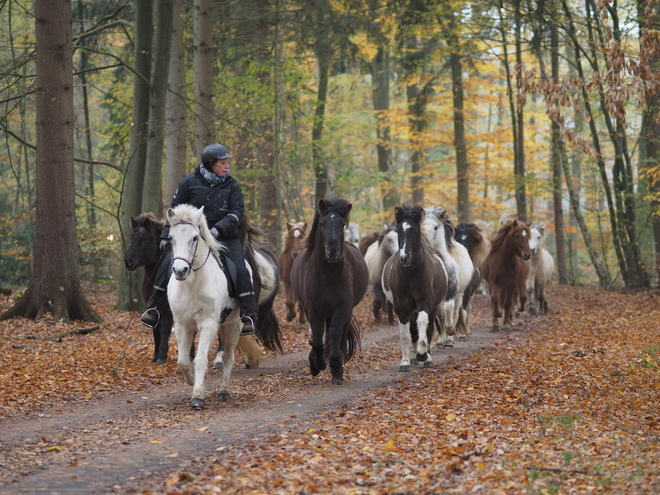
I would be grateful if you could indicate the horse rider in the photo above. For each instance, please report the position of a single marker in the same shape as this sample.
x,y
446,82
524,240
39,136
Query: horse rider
x,y
211,186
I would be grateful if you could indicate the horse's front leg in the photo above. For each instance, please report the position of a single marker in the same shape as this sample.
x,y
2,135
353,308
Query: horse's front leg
x,y
509,309
423,345
162,340
185,336
290,302
406,345
208,332
316,360
497,313
337,330
229,334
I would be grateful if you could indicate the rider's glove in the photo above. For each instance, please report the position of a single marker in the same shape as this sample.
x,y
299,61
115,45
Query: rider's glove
x,y
214,232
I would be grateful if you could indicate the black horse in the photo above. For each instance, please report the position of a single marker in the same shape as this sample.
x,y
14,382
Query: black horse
x,y
329,278
144,250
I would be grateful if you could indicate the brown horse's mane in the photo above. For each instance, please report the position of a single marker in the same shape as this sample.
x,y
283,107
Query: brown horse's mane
x,y
502,236
341,206
142,217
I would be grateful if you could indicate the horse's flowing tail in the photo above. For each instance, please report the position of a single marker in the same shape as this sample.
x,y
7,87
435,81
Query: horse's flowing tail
x,y
269,332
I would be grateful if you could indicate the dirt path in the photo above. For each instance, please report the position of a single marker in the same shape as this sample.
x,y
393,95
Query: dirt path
x,y
112,446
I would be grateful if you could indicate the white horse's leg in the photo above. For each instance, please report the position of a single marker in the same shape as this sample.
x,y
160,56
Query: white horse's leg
x,y
423,346
185,336
230,333
406,346
208,331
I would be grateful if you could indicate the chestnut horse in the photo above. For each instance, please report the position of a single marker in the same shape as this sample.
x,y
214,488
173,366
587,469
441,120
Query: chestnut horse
x,y
293,244
506,269
329,279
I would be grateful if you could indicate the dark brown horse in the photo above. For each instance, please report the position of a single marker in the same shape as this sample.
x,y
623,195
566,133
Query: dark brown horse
x,y
506,270
415,282
144,250
293,244
329,279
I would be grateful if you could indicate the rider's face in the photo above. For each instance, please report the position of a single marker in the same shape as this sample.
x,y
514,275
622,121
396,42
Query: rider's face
x,y
221,167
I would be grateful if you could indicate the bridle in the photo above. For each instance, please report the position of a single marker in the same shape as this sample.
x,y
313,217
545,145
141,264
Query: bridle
x,y
191,263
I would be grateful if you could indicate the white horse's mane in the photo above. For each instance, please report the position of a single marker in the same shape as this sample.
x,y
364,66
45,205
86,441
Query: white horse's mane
x,y
185,213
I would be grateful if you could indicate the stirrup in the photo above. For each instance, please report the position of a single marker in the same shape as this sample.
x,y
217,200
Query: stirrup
x,y
150,317
248,325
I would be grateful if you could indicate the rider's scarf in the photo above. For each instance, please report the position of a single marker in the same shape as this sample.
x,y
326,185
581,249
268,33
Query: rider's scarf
x,y
211,177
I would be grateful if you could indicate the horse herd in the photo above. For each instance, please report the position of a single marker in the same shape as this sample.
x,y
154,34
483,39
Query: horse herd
x,y
423,269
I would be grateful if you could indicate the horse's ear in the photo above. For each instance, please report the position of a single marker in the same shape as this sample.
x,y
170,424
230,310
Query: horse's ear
x,y
304,226
349,207
133,223
289,226
541,228
170,213
322,204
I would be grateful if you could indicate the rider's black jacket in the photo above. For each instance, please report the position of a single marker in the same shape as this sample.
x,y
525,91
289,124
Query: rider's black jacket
x,y
223,202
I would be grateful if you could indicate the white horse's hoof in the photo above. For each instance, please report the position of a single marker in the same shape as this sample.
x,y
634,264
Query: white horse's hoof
x,y
404,368
197,403
217,365
449,344
223,397
428,364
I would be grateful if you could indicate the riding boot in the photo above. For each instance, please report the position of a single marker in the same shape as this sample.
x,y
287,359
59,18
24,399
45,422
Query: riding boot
x,y
151,316
248,313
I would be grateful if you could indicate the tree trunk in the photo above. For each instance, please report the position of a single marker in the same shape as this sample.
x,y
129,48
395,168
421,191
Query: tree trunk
x,y
460,145
203,49
129,285
521,194
175,157
650,56
380,95
557,197
54,286
152,192
322,50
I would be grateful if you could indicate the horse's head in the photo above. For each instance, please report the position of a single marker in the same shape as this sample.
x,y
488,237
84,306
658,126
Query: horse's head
x,y
536,238
438,227
390,241
408,220
294,237
331,219
518,234
191,239
145,240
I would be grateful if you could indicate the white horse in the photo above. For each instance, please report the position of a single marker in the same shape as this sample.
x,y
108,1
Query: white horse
x,y
541,266
440,230
198,293
377,254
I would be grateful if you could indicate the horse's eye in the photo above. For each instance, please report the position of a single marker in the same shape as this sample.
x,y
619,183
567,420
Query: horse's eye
x,y
196,238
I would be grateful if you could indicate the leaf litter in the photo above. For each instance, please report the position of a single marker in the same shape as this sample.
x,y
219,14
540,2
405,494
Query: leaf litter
x,y
566,403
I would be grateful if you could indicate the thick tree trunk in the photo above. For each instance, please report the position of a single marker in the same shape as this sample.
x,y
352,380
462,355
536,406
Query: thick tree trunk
x,y
650,56
54,286
380,95
203,49
152,191
175,157
521,190
322,50
129,285
460,145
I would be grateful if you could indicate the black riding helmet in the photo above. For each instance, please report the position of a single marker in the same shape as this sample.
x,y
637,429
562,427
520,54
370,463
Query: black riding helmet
x,y
212,153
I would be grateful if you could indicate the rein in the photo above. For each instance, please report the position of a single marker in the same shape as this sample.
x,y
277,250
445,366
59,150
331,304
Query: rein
x,y
191,263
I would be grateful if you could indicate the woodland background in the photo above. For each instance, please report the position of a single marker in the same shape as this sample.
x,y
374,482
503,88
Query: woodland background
x,y
547,110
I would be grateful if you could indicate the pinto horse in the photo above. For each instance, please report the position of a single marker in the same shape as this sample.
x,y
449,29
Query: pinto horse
x,y
293,244
377,254
506,269
144,250
329,278
415,282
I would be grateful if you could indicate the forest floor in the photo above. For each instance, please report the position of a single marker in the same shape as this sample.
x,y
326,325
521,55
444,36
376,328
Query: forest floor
x,y
564,403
